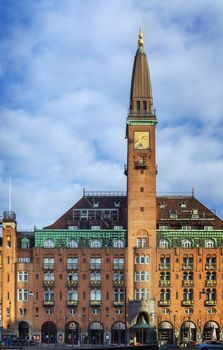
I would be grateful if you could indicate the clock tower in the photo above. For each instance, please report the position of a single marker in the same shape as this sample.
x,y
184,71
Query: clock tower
x,y
141,183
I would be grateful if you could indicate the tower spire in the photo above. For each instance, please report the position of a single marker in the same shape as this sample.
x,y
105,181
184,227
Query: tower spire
x,y
140,38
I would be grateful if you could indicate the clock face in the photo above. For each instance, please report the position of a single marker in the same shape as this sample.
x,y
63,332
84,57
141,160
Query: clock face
x,y
141,139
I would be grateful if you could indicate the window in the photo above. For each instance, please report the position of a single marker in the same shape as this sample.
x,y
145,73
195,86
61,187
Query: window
x,y
183,205
24,260
119,263
188,295
163,228
25,243
186,243
95,277
22,294
209,228
164,262
49,243
119,295
72,295
22,276
95,243
119,243
145,105
142,276
96,311
49,276
95,295
142,294
72,243
49,295
142,242
48,263
119,277
72,263
188,262
195,214
8,241
164,295
138,105
186,228
211,262
95,263
163,243
209,243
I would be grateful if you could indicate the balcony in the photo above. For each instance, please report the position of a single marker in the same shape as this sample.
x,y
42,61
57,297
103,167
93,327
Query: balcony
x,y
164,283
72,283
164,266
47,284
164,302
210,283
119,303
212,266
95,302
118,283
72,266
48,266
188,266
210,302
72,302
187,302
187,283
48,303
95,284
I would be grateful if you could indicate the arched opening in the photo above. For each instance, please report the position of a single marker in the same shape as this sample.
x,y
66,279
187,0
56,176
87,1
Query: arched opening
x,y
23,329
96,333
48,332
118,333
72,333
165,333
142,332
188,332
211,331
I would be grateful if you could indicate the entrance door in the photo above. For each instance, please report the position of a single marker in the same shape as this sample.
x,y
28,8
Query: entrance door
x,y
49,333
72,333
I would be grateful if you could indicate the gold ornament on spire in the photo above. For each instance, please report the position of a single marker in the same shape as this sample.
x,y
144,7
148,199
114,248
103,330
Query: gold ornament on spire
x,y
140,38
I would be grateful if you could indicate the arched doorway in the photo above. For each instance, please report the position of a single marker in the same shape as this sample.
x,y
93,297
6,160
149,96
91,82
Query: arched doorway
x,y
23,329
141,330
211,331
96,333
72,333
118,333
188,332
165,332
48,332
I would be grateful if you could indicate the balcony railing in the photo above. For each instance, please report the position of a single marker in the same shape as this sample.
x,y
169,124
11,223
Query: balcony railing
x,y
164,283
164,266
188,266
48,302
72,283
187,283
72,266
210,302
119,302
164,302
95,284
118,283
72,302
48,284
210,283
187,302
48,266
212,266
95,302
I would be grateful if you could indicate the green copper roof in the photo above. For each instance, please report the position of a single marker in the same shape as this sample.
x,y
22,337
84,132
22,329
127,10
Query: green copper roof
x,y
142,122
198,237
61,237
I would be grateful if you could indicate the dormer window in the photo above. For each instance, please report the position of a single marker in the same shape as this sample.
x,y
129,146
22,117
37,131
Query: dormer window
x,y
162,205
195,214
186,243
173,214
163,243
72,243
49,243
119,243
25,243
183,205
209,243
95,243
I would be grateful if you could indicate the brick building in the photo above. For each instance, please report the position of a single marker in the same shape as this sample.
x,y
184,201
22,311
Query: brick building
x,y
115,265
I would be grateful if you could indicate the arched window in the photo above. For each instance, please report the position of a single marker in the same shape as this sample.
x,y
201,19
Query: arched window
x,y
72,243
25,243
49,243
163,243
186,243
119,243
95,243
209,243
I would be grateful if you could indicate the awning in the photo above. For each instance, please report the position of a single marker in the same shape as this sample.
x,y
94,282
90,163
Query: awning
x,y
142,324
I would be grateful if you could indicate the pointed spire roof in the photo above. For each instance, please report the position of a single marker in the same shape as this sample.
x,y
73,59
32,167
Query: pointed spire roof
x,y
141,100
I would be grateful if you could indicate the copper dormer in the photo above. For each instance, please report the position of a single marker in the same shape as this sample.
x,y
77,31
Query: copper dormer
x,y
141,100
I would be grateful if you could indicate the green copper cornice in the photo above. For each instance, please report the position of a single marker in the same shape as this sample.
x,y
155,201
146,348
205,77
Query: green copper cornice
x,y
61,237
142,122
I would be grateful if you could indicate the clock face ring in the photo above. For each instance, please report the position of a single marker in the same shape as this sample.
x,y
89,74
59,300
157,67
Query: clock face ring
x,y
141,140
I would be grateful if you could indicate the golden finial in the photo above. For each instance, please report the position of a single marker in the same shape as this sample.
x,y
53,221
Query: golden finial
x,y
140,38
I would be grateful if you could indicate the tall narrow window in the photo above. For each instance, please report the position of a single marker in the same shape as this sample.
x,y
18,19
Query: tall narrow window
x,y
138,105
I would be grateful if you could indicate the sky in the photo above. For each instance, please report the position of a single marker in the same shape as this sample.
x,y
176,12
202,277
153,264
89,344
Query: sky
x,y
65,73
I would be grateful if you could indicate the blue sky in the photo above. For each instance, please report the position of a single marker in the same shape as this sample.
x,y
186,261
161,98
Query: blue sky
x,y
65,72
